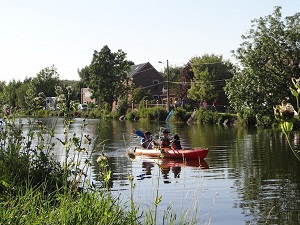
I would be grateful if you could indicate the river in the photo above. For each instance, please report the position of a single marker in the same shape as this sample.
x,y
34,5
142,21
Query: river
x,y
250,175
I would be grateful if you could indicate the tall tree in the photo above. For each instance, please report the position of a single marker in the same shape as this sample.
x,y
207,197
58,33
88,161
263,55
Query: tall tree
x,y
209,75
108,72
20,96
84,75
10,93
174,78
270,57
2,98
44,82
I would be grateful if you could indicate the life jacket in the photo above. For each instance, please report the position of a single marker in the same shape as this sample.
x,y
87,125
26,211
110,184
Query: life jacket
x,y
176,144
165,142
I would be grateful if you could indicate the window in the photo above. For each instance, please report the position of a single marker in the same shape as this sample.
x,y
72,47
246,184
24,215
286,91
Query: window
x,y
156,83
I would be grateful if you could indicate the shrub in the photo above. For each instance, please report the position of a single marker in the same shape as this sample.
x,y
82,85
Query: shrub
x,y
181,115
26,160
132,114
157,113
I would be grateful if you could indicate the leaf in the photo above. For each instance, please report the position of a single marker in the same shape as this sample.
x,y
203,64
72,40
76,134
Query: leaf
x,y
294,92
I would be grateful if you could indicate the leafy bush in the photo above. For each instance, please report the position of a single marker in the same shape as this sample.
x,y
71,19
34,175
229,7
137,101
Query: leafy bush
x,y
25,158
132,114
246,117
264,120
181,115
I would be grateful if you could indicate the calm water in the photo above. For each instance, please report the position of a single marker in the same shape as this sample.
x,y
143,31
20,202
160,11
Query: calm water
x,y
249,176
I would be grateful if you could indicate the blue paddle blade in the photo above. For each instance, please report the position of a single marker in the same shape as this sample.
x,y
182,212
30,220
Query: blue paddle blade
x,y
169,115
140,133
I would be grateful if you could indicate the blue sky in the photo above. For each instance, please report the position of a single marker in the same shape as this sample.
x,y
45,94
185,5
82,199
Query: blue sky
x,y
37,33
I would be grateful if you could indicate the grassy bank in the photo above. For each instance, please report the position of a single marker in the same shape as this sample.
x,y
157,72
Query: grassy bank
x,y
36,189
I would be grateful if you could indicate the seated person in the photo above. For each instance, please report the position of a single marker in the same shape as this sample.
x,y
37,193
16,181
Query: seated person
x,y
147,141
176,142
165,141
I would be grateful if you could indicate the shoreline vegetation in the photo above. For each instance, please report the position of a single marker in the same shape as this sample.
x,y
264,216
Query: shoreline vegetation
x,y
36,189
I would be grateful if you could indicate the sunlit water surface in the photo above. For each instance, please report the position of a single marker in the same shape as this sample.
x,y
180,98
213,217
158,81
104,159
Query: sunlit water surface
x,y
250,176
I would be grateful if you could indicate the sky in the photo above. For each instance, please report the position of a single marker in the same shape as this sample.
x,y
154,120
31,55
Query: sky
x,y
35,34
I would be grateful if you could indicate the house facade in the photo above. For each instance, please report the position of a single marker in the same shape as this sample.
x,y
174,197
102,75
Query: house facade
x,y
86,95
146,76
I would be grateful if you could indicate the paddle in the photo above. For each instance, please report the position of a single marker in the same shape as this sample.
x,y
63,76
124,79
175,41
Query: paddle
x,y
169,115
140,133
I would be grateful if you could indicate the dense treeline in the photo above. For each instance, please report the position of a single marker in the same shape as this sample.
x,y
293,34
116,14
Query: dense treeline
x,y
267,60
36,189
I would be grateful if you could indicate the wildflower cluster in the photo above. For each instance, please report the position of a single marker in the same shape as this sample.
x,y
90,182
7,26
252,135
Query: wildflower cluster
x,y
285,114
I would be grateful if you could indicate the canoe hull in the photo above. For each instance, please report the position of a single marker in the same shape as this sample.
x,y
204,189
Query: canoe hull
x,y
169,153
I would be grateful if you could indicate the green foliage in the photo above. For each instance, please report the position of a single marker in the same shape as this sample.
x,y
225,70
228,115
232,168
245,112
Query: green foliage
x,y
107,75
180,115
210,117
35,206
206,117
270,57
84,75
210,73
157,113
284,114
246,117
264,120
121,108
45,81
174,78
36,189
25,160
10,93
132,115
139,94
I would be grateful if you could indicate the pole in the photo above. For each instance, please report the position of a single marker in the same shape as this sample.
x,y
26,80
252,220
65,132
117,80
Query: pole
x,y
168,90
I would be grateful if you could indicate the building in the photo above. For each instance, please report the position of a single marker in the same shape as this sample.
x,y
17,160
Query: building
x,y
86,95
146,76
51,103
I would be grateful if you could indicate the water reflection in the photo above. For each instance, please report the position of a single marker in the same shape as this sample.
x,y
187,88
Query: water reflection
x,y
251,173
168,167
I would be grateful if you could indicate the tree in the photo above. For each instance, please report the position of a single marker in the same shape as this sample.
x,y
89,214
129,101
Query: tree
x,y
174,78
20,96
208,79
2,86
84,75
44,82
138,94
72,88
108,72
270,57
10,93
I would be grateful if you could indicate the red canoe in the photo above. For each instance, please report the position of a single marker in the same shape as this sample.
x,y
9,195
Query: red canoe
x,y
196,153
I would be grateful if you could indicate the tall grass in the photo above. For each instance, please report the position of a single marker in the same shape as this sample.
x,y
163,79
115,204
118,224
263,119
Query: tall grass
x,y
34,206
36,189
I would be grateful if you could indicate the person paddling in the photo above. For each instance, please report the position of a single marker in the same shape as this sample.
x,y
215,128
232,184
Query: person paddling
x,y
147,141
165,141
176,142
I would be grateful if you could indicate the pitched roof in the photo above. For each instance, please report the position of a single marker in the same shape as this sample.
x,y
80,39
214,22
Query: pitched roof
x,y
134,69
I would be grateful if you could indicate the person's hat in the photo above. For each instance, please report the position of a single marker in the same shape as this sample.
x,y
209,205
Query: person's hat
x,y
166,132
147,133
